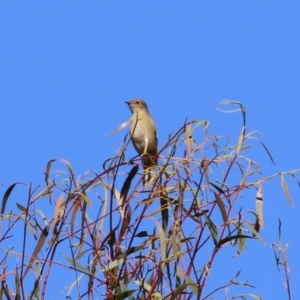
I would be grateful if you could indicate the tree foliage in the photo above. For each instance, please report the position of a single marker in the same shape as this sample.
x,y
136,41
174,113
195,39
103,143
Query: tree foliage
x,y
107,236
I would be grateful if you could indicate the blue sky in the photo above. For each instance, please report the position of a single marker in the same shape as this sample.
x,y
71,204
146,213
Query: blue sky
x,y
68,67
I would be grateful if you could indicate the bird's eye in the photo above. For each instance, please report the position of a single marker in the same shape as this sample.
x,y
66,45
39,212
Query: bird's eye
x,y
138,102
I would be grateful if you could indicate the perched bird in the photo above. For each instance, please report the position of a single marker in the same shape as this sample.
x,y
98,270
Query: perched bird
x,y
143,132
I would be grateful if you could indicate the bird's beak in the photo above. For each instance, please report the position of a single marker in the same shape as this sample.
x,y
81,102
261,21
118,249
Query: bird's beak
x,y
127,102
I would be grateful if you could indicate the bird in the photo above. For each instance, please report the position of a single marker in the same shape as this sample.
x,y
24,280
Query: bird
x,y
143,132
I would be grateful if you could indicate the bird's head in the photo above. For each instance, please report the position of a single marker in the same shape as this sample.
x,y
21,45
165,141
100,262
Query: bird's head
x,y
137,105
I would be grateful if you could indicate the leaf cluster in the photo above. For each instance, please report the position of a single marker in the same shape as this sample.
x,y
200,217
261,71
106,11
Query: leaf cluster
x,y
108,236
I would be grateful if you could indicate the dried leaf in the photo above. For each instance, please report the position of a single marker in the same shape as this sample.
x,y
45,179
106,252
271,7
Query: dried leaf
x,y
37,249
286,191
259,207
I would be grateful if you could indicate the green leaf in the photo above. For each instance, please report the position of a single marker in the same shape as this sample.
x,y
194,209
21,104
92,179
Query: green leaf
x,y
178,291
221,207
213,229
6,196
127,183
77,265
234,237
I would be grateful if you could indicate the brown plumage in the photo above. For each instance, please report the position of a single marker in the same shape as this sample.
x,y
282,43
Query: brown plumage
x,y
143,132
